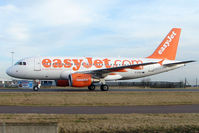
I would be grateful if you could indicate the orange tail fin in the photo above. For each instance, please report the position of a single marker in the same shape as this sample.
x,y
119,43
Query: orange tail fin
x,y
168,48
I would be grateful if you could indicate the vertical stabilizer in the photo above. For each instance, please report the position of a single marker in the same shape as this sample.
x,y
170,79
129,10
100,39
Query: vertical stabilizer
x,y
168,48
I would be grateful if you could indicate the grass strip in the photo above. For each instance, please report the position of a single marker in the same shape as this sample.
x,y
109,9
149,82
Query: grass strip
x,y
119,123
97,98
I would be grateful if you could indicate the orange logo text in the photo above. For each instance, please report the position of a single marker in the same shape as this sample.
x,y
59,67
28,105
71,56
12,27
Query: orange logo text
x,y
87,63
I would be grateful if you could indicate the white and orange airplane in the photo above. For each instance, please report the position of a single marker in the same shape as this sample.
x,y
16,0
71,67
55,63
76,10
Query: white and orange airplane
x,y
92,71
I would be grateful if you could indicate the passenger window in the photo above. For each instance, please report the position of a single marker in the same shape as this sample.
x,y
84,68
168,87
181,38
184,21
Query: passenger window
x,y
20,63
24,63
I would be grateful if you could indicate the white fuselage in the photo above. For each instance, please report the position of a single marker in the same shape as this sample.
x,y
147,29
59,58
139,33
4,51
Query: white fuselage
x,y
56,68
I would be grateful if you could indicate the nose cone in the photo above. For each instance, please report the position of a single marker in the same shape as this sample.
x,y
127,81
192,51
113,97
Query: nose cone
x,y
9,72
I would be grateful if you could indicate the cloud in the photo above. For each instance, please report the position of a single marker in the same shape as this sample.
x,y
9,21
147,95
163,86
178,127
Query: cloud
x,y
8,9
17,32
96,28
61,12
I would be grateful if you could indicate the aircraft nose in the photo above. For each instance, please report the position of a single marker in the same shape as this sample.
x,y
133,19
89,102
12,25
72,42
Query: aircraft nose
x,y
8,71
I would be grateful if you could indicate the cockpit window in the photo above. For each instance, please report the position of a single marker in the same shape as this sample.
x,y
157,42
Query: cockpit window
x,y
21,63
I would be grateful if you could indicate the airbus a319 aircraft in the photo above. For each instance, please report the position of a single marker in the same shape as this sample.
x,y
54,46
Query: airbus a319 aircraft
x,y
92,71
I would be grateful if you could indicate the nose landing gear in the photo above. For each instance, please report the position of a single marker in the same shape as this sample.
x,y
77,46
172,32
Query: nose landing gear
x,y
37,85
36,88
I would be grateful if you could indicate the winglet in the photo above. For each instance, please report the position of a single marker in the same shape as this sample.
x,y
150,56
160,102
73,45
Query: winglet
x,y
168,48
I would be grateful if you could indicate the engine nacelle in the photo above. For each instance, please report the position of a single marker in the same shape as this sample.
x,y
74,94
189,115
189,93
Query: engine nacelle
x,y
62,83
80,80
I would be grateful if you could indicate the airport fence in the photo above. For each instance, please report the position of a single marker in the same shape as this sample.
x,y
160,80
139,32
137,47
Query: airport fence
x,y
149,84
152,84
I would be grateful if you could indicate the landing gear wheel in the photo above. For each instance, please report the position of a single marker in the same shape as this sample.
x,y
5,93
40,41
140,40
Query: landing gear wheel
x,y
35,88
104,87
91,87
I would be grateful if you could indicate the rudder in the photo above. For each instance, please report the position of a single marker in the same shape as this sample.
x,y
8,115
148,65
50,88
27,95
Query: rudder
x,y
168,48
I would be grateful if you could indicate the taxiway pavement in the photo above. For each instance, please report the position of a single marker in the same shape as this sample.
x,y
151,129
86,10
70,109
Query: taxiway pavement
x,y
86,90
100,109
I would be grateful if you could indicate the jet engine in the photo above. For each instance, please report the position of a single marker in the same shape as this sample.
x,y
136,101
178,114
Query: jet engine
x,y
80,80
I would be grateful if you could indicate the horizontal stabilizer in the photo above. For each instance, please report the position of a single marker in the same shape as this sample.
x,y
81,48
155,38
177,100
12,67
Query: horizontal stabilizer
x,y
177,63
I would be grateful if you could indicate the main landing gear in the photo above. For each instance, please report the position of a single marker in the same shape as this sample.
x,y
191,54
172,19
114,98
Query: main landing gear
x,y
103,87
91,87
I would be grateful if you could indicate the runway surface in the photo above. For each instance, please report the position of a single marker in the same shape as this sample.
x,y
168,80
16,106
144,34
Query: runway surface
x,y
86,90
101,110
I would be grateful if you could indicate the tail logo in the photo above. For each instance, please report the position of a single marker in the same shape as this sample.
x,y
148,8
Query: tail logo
x,y
167,43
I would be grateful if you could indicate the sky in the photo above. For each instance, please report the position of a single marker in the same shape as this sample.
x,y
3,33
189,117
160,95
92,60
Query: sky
x,y
104,28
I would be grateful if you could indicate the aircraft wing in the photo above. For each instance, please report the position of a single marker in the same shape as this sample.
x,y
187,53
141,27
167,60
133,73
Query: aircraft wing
x,y
101,73
177,63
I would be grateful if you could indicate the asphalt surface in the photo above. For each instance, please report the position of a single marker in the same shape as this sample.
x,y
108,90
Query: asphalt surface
x,y
101,110
86,90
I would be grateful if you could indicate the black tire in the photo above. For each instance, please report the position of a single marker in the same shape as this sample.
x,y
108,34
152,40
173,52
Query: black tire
x,y
91,87
35,88
104,87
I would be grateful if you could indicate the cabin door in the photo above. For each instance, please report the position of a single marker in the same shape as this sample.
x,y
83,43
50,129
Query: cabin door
x,y
37,64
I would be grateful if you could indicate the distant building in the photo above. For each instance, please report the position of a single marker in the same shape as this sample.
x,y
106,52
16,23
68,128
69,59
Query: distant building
x,y
152,84
48,83
25,84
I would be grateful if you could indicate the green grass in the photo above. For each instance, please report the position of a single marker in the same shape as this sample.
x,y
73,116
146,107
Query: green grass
x,y
105,123
121,123
97,98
